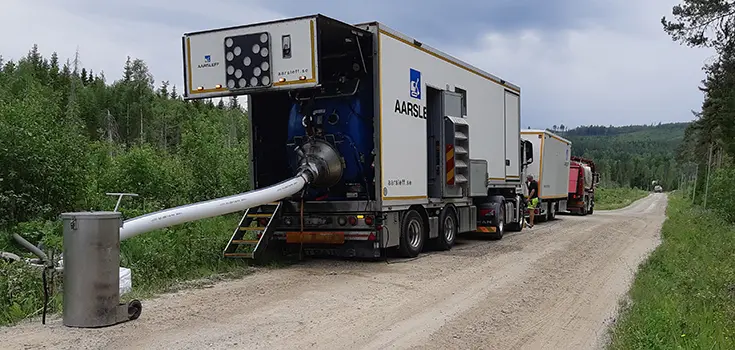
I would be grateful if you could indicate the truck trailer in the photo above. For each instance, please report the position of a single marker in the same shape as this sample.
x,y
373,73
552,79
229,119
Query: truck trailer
x,y
398,144
583,180
550,170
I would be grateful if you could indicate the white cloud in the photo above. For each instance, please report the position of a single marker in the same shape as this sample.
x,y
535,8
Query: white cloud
x,y
629,72
622,71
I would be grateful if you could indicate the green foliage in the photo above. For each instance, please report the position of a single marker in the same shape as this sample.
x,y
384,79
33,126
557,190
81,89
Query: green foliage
x,y
631,156
682,296
721,194
712,134
617,197
21,292
67,137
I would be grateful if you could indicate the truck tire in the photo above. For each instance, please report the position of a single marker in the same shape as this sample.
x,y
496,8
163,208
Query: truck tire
x,y
447,229
413,234
583,211
500,226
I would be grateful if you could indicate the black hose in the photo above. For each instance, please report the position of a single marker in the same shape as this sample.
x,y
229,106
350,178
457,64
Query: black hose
x,y
45,295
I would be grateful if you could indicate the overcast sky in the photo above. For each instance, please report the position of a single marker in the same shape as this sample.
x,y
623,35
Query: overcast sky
x,y
578,62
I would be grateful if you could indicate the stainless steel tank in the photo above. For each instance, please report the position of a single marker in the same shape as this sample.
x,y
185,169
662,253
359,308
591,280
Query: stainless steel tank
x,y
91,270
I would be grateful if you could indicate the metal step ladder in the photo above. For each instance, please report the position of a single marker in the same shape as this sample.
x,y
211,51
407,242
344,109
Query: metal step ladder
x,y
255,230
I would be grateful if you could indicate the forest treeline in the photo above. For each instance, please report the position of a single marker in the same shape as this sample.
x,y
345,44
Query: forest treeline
x,y
68,136
631,156
708,147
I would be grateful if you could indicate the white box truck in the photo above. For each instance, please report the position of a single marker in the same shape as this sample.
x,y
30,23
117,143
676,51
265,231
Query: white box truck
x,y
551,171
412,146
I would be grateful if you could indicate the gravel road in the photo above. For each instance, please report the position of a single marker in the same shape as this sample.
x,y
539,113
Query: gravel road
x,y
555,286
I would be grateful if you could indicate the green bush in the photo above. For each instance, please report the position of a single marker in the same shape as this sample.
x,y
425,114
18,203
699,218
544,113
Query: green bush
x,y
607,198
722,193
67,137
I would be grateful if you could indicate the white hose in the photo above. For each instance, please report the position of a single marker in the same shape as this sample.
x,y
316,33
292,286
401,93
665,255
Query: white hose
x,y
212,208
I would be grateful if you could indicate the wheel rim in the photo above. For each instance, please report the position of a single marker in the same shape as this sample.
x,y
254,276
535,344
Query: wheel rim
x,y
414,233
501,223
449,228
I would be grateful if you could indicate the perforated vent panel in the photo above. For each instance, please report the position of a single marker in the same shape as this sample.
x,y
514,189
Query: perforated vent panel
x,y
248,60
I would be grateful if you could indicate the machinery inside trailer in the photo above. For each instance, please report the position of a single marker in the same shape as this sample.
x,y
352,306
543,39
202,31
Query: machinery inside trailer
x,y
338,114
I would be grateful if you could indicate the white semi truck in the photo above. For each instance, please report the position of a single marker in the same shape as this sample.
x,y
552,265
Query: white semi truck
x,y
396,144
551,170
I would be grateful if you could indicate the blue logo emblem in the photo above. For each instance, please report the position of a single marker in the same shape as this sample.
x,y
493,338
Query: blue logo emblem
x,y
208,58
415,79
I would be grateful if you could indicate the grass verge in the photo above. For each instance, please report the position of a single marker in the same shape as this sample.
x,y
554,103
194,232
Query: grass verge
x,y
166,260
617,197
683,296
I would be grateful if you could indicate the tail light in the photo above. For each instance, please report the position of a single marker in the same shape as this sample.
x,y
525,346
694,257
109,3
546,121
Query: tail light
x,y
352,220
368,220
372,236
487,212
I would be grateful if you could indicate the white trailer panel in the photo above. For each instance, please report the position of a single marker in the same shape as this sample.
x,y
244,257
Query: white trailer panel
x,y
407,71
551,163
289,49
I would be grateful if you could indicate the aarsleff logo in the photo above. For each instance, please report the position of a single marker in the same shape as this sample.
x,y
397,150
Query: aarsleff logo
x,y
415,79
208,62
412,109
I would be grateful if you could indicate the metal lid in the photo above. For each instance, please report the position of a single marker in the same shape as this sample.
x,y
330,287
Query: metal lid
x,y
92,215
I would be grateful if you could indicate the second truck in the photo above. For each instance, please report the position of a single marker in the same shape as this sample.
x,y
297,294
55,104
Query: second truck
x,y
551,170
398,144
583,180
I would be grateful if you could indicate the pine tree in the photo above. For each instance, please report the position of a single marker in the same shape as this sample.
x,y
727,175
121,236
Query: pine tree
x,y
127,71
233,103
163,91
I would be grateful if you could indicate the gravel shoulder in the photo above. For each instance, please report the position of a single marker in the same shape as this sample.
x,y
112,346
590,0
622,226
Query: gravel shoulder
x,y
555,286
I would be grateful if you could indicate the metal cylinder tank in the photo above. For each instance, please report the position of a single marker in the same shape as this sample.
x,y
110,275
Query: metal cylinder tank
x,y
91,268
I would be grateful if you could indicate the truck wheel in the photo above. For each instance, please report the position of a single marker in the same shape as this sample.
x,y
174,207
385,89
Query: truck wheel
x,y
592,208
447,229
500,227
413,234
584,207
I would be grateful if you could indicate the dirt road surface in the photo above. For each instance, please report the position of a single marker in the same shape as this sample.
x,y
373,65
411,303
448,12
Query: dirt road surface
x,y
556,286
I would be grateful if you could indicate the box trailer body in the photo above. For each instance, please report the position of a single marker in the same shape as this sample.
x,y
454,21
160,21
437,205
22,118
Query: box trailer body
x,y
583,179
550,169
424,139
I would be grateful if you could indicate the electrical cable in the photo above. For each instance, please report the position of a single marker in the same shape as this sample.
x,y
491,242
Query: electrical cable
x,y
301,234
45,294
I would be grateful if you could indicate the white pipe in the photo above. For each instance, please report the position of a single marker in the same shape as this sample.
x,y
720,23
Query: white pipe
x,y
212,208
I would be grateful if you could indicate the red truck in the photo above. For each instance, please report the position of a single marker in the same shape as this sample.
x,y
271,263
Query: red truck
x,y
583,178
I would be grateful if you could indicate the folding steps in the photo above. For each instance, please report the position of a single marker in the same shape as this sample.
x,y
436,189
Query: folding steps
x,y
255,230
